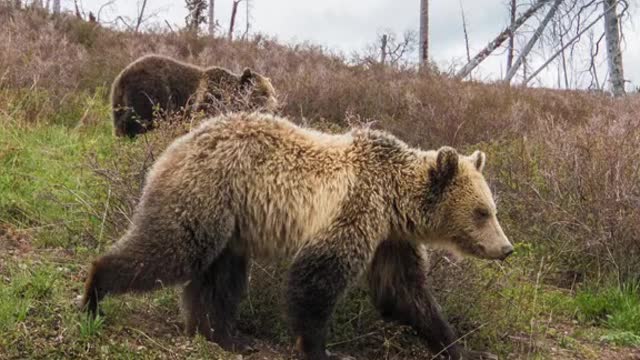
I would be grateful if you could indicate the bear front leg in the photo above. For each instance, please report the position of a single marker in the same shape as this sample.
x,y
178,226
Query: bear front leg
x,y
120,272
317,279
397,280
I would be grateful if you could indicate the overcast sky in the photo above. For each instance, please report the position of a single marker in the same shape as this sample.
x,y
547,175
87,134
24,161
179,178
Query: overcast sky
x,y
350,25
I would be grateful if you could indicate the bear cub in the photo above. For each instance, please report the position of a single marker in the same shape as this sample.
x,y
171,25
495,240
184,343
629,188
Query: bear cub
x,y
250,185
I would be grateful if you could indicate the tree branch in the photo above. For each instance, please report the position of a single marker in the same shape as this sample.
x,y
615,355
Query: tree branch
x,y
557,53
532,41
484,53
140,15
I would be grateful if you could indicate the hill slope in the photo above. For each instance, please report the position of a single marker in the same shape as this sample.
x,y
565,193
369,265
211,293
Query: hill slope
x,y
564,166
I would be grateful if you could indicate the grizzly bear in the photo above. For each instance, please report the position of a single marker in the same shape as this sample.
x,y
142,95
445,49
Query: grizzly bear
x,y
155,82
249,185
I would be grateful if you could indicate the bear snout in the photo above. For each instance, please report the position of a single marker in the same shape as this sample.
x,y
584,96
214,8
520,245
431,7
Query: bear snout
x,y
506,251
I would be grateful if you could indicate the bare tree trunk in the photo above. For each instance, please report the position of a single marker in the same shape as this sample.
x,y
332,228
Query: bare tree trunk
x,y
140,15
500,39
383,48
534,38
424,32
56,7
466,34
212,19
464,30
512,12
564,63
614,54
234,11
78,15
247,20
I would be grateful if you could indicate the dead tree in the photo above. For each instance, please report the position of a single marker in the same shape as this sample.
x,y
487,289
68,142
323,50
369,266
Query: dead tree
x,y
532,41
512,13
614,54
498,40
464,30
389,48
563,59
247,17
196,14
383,48
212,19
234,12
563,48
424,32
77,9
397,48
140,16
56,7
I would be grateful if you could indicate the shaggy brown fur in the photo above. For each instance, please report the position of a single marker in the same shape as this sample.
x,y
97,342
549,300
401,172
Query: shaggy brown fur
x,y
155,82
251,185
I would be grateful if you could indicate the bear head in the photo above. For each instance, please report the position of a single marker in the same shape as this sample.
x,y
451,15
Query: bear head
x,y
261,92
459,207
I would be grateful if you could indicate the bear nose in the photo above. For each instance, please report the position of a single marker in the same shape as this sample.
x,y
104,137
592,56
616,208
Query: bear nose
x,y
506,251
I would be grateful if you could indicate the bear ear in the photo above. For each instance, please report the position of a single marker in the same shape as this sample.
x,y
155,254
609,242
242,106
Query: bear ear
x,y
247,75
478,159
447,162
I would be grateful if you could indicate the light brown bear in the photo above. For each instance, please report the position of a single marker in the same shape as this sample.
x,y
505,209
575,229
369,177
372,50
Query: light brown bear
x,y
244,186
156,82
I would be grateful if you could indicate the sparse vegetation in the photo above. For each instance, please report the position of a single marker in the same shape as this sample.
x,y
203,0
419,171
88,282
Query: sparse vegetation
x,y
564,166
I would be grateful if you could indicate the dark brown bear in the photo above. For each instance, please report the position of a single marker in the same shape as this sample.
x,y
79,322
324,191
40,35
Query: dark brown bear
x,y
155,82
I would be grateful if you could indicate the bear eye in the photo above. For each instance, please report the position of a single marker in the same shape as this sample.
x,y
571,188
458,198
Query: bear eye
x,y
481,213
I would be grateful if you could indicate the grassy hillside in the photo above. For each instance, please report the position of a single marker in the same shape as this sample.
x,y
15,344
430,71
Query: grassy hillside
x,y
564,166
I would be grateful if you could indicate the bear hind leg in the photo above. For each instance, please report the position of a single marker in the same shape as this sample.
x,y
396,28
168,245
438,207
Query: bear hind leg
x,y
212,298
145,263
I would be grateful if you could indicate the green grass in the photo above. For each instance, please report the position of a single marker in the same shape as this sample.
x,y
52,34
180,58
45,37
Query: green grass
x,y
45,184
90,327
617,308
13,308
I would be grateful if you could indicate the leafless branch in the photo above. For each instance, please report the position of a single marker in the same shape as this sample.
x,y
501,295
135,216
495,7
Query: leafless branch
x,y
532,41
123,21
169,26
464,29
140,15
498,40
103,6
557,53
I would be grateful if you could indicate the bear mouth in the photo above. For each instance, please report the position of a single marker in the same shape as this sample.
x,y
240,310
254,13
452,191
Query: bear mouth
x,y
471,248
